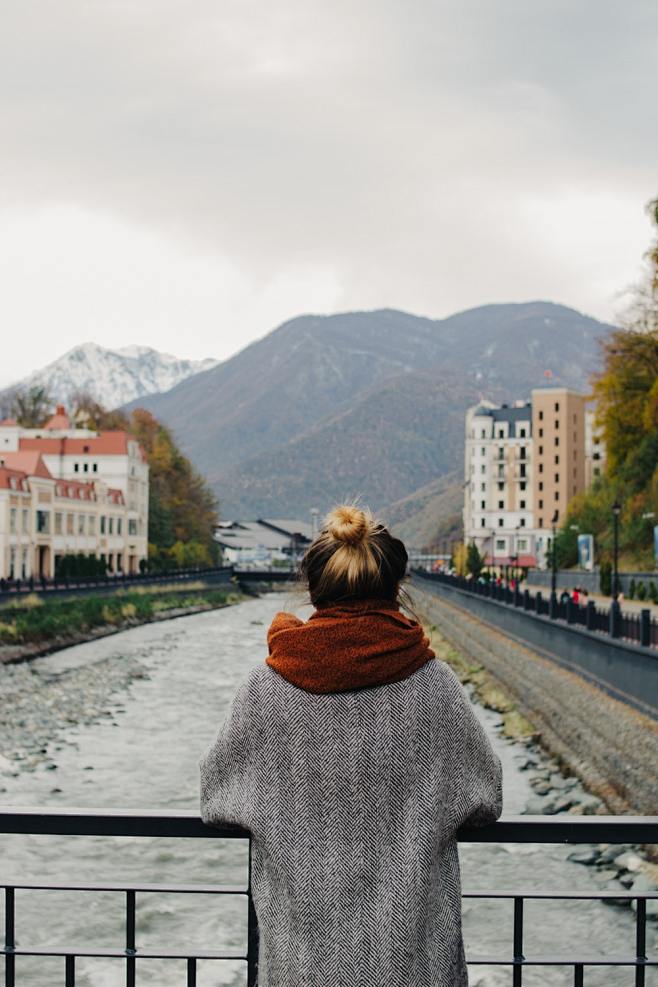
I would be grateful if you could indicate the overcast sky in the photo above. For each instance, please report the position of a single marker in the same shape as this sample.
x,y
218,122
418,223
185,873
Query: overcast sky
x,y
189,175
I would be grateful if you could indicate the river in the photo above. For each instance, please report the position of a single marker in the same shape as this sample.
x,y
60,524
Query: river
x,y
143,752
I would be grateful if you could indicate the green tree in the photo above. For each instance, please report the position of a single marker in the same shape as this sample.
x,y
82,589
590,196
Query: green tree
x,y
31,406
474,561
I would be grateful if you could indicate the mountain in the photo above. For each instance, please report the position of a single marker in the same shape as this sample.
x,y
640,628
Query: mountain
x,y
364,403
430,515
113,377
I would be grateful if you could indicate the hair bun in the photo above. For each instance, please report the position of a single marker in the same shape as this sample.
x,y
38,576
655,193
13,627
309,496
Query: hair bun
x,y
348,524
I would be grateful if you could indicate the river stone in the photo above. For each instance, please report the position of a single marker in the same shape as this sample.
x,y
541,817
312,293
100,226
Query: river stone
x,y
535,806
612,852
588,856
603,876
589,805
541,786
628,861
643,883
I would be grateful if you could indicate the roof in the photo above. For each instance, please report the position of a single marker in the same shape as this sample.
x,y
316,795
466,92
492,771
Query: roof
x,y
75,489
13,479
8,422
59,420
289,526
252,534
110,443
506,413
28,461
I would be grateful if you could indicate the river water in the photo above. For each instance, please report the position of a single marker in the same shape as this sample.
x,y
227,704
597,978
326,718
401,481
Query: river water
x,y
144,754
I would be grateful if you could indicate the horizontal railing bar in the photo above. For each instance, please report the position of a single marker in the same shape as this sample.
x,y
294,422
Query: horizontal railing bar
x,y
100,886
560,895
511,829
140,954
562,961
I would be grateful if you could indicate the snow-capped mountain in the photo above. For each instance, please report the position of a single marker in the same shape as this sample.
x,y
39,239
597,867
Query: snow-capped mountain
x,y
113,377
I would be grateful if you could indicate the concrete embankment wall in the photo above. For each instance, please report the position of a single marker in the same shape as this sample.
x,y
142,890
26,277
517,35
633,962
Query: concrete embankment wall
x,y
609,745
625,670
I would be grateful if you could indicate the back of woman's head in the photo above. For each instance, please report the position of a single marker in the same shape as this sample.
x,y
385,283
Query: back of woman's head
x,y
353,557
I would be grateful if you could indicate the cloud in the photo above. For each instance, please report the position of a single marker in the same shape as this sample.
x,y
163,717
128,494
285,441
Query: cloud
x,y
276,158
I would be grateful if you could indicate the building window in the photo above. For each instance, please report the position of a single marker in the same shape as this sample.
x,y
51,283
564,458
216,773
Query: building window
x,y
81,524
501,433
110,522
501,505
501,486
500,544
541,505
522,523
541,433
482,522
541,450
85,468
58,524
118,525
541,484
501,470
501,452
557,425
102,524
541,416
94,468
522,452
501,523
43,522
523,469
91,524
483,468
75,467
26,520
557,496
483,433
597,471
483,451
541,467
541,522
483,487
557,405
132,526
557,460
522,544
522,433
483,505
522,505
12,520
557,477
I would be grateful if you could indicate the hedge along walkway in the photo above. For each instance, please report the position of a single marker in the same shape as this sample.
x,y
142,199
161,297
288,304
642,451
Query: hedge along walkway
x,y
610,747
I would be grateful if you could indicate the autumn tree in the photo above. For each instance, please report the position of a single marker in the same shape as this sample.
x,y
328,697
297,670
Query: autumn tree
x,y
31,406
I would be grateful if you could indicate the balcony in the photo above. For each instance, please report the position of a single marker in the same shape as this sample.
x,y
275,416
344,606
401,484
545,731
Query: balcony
x,y
522,829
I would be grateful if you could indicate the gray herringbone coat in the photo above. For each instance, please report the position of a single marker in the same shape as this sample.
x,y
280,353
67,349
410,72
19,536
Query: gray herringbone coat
x,y
353,800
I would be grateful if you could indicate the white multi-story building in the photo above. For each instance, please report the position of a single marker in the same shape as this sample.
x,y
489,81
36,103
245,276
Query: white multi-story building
x,y
56,465
497,490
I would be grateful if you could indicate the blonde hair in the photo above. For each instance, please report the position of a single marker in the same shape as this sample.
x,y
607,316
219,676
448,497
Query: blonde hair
x,y
353,556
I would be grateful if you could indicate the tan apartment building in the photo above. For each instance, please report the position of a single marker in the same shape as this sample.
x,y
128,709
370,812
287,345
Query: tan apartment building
x,y
558,430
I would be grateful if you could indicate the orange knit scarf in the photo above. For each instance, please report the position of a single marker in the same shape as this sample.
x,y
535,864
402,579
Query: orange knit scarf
x,y
348,645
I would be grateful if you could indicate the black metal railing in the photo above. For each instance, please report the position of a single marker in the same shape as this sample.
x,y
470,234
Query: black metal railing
x,y
640,628
521,829
11,588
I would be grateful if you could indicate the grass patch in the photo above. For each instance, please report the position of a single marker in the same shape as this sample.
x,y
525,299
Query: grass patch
x,y
50,619
487,690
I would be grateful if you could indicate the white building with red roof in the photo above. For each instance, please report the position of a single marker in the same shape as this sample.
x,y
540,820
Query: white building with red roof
x,y
84,491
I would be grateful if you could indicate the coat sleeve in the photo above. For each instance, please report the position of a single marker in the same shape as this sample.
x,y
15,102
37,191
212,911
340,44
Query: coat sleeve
x,y
227,768
477,779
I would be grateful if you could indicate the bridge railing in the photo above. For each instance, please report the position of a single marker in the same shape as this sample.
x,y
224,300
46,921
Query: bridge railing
x,y
15,588
522,829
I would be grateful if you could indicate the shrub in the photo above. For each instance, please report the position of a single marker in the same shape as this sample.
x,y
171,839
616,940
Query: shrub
x,y
653,593
631,590
605,578
641,591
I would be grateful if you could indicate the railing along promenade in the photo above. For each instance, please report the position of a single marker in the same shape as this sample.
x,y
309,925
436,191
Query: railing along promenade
x,y
13,588
521,829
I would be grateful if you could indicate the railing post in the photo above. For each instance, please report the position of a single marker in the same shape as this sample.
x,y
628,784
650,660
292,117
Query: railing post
x,y
571,612
130,939
252,929
526,599
615,619
517,975
640,940
539,603
590,615
10,938
645,628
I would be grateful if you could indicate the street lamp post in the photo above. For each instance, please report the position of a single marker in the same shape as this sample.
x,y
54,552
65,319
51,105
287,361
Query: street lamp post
x,y
614,606
553,603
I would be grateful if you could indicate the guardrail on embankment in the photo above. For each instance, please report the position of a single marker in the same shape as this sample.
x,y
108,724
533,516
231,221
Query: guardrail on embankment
x,y
131,955
578,638
12,589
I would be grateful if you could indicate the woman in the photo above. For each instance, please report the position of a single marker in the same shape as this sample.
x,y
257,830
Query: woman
x,y
353,756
